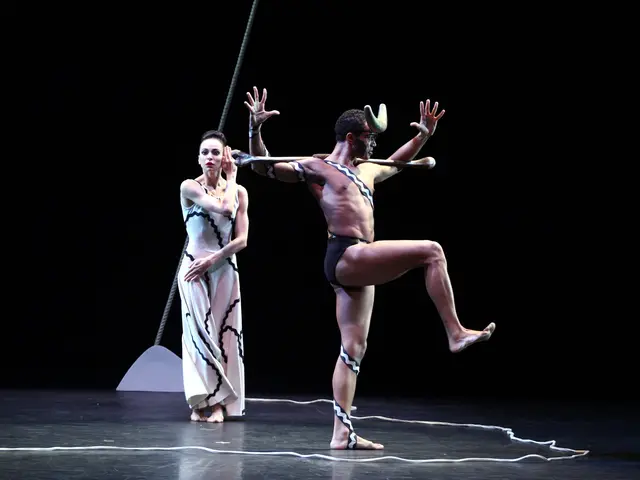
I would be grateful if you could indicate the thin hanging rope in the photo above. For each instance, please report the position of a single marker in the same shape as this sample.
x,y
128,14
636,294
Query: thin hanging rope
x,y
223,119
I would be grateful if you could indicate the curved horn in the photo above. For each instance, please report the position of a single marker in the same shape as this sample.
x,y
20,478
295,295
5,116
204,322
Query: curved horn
x,y
377,124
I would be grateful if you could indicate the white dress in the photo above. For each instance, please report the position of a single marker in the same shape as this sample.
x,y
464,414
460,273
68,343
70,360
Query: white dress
x,y
212,343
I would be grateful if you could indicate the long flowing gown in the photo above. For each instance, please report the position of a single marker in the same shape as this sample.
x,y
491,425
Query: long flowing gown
x,y
212,343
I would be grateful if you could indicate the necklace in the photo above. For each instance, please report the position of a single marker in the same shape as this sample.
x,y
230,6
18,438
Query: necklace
x,y
212,193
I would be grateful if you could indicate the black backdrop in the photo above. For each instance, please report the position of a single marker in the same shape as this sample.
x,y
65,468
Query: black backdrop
x,y
110,104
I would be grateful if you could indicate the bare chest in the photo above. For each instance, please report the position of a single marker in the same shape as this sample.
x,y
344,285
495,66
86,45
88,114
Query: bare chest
x,y
348,184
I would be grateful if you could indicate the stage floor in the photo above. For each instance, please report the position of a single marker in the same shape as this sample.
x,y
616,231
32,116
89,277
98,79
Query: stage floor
x,y
141,435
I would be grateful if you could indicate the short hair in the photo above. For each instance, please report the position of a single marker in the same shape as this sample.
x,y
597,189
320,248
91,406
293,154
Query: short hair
x,y
214,134
353,121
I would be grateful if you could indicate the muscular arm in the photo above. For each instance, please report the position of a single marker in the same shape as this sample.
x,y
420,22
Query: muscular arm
x,y
257,116
193,191
289,172
257,148
405,153
302,170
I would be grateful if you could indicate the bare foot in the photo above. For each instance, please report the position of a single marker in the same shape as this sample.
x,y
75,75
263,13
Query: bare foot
x,y
361,444
197,415
469,337
217,416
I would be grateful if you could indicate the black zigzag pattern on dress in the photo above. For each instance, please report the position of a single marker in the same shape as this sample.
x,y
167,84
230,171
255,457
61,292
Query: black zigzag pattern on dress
x,y
207,361
203,338
224,327
207,278
233,227
215,229
364,190
207,317
343,416
238,339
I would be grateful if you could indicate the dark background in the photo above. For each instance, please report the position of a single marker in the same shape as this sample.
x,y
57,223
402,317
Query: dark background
x,y
110,102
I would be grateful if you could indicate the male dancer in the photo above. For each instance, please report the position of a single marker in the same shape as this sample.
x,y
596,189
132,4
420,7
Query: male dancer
x,y
354,262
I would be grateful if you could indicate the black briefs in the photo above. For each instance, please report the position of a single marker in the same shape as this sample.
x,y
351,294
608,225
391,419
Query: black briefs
x,y
336,246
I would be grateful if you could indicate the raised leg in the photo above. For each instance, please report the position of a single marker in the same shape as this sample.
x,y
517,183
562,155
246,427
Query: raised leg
x,y
380,262
353,311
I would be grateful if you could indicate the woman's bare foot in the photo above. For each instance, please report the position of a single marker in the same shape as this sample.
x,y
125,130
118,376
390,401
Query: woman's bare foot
x,y
469,337
340,443
217,416
198,415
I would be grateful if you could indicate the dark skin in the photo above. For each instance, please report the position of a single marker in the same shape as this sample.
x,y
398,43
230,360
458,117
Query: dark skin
x,y
364,265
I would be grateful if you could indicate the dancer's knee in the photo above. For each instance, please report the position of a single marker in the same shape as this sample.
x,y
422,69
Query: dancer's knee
x,y
355,347
351,362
